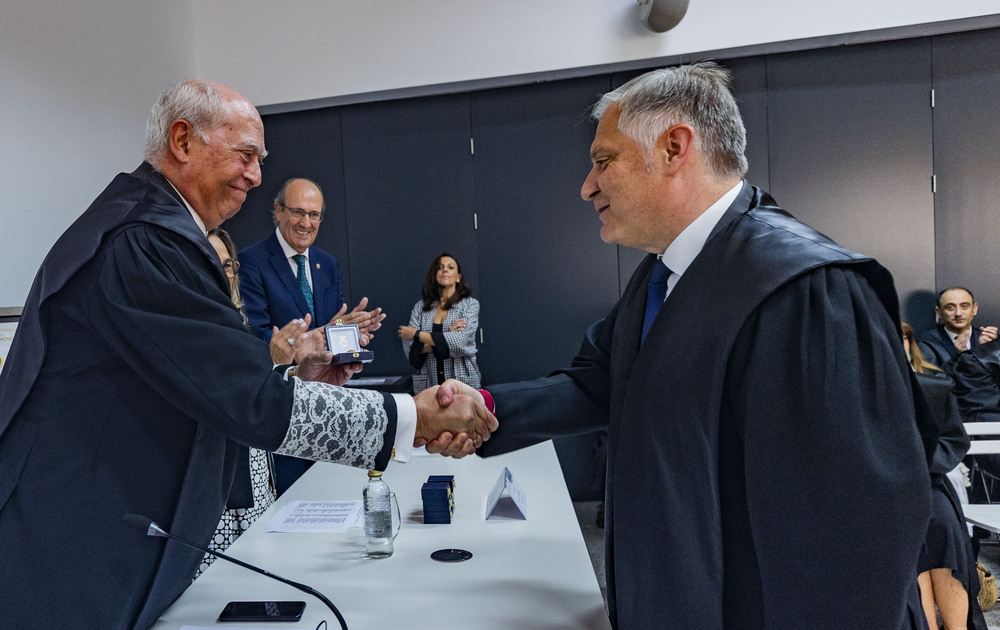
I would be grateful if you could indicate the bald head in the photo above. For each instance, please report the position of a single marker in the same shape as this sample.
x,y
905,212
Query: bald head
x,y
298,210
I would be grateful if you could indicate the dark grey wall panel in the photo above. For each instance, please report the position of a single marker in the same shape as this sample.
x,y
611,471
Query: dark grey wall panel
x,y
842,137
546,275
850,152
750,90
408,174
967,164
299,144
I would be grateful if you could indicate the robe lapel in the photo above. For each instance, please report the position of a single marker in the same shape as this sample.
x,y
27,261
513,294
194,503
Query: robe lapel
x,y
634,309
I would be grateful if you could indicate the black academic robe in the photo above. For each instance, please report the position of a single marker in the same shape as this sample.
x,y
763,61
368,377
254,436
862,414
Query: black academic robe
x,y
939,349
763,448
977,382
131,387
948,544
976,373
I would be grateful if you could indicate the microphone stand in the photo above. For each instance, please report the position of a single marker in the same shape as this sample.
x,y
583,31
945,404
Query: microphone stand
x,y
152,529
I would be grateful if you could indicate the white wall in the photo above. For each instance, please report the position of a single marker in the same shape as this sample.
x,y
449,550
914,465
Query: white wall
x,y
77,78
76,82
279,52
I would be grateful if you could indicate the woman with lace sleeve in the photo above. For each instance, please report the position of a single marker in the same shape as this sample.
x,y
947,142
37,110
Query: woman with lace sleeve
x,y
440,339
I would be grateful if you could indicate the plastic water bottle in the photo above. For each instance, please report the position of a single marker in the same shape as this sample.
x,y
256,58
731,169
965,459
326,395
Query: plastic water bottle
x,y
378,517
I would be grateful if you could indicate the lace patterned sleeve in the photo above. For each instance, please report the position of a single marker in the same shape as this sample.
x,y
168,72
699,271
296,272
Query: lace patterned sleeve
x,y
335,424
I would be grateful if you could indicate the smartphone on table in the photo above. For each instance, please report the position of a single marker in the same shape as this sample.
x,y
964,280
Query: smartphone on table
x,y
262,611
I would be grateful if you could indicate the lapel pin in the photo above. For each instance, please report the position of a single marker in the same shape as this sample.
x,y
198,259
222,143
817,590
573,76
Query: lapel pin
x,y
317,265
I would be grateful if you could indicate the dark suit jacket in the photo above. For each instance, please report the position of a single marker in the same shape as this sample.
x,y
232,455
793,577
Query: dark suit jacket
x,y
272,293
763,447
939,349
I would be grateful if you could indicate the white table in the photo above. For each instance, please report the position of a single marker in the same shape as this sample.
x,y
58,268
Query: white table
x,y
534,573
986,516
982,428
984,447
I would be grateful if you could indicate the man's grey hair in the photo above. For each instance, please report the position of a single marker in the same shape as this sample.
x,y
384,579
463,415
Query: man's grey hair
x,y
195,101
697,95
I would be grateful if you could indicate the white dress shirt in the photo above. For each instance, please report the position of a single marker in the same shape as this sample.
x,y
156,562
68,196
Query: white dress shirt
x,y
290,253
685,248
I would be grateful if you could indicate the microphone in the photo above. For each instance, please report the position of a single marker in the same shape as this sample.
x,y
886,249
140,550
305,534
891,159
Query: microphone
x,y
147,525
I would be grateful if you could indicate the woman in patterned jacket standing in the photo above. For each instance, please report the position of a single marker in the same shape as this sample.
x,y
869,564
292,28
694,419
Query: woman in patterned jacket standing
x,y
440,339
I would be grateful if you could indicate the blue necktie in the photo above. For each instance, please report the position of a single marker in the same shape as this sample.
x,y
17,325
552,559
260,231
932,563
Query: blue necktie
x,y
654,295
304,283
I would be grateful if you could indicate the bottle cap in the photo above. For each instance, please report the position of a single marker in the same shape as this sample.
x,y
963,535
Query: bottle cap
x,y
374,473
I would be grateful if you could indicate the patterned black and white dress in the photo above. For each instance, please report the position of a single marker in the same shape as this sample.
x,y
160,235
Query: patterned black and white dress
x,y
235,521
453,354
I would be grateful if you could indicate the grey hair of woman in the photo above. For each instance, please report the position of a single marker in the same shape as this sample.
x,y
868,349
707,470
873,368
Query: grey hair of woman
x,y
195,101
697,95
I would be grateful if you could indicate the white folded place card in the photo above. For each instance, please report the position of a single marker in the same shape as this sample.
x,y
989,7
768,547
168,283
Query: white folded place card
x,y
507,499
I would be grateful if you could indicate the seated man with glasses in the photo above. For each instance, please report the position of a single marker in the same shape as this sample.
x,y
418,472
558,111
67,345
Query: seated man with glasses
x,y
284,278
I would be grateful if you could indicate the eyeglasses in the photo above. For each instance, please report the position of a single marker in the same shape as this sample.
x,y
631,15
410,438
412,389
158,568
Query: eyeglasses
x,y
300,214
232,267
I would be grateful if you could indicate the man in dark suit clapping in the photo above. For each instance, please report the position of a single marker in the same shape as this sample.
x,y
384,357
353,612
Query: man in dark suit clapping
x,y
954,333
284,277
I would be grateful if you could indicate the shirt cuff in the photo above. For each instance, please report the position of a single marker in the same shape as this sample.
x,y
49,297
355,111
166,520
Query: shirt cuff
x,y
491,406
406,426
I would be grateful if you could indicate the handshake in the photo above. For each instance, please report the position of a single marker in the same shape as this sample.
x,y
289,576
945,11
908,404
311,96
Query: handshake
x,y
452,419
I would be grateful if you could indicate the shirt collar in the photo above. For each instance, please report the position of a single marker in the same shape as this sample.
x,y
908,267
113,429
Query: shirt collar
x,y
954,336
685,248
194,215
288,249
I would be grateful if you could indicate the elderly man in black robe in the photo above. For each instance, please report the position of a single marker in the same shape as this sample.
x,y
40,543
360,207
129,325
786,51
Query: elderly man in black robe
x,y
765,467
132,386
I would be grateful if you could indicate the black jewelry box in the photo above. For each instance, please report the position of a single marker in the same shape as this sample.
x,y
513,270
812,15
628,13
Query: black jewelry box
x,y
344,342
